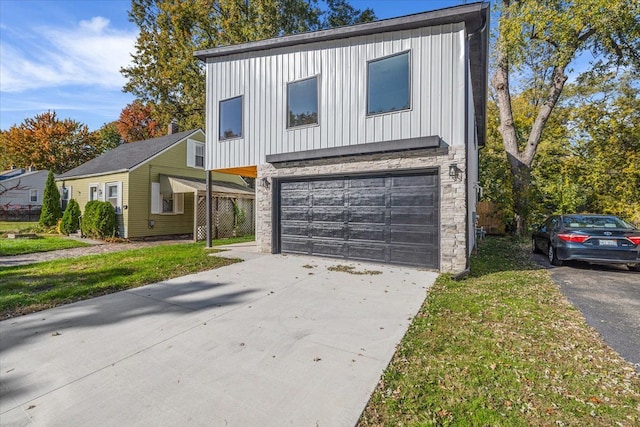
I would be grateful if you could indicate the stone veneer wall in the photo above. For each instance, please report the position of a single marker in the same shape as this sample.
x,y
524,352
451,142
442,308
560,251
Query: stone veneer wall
x,y
453,211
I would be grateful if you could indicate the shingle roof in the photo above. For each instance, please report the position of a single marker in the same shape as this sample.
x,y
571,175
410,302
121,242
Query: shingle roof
x,y
126,156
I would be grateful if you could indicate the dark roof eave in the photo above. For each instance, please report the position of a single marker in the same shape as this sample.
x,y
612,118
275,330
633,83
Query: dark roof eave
x,y
471,14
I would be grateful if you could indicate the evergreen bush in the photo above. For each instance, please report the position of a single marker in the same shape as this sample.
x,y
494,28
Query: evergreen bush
x,y
99,220
70,218
51,211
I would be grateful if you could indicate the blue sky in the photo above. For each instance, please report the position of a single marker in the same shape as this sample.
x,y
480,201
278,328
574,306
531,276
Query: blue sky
x,y
66,55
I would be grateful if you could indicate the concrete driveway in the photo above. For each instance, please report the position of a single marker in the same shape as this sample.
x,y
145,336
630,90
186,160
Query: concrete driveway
x,y
272,341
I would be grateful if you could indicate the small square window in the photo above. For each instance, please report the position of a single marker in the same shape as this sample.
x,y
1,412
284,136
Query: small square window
x,y
302,102
230,118
388,87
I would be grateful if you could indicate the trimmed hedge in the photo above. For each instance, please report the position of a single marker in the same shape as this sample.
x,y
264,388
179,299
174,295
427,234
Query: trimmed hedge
x,y
99,220
70,218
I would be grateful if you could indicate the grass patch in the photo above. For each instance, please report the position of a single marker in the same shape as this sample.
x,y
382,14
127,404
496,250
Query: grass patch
x,y
16,226
41,244
503,347
25,289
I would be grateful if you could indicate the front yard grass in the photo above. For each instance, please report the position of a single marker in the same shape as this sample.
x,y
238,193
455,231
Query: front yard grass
x,y
29,288
43,243
16,226
503,347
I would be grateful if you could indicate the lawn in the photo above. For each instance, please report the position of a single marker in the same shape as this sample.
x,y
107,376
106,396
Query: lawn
x,y
25,289
503,347
16,226
43,243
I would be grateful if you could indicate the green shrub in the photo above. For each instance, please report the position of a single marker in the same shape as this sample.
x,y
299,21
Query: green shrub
x,y
51,211
99,220
70,218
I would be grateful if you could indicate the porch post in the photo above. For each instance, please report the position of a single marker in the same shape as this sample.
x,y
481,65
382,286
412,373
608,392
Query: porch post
x,y
208,202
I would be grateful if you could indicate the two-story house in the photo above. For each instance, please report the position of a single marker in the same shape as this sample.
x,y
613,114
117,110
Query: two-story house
x,y
363,139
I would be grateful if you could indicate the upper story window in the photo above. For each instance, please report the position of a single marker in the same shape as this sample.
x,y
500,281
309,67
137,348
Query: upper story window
x,y
388,87
230,118
302,102
195,154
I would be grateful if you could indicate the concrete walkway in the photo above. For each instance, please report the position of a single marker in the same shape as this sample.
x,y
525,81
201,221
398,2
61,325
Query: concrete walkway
x,y
272,341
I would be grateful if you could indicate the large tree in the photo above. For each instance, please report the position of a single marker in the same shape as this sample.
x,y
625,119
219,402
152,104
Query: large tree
x,y
537,43
136,123
47,142
164,73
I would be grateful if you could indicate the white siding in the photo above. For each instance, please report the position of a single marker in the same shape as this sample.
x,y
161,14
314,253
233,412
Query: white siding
x,y
437,94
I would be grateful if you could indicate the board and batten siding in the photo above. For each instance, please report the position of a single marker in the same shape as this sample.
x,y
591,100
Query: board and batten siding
x,y
437,94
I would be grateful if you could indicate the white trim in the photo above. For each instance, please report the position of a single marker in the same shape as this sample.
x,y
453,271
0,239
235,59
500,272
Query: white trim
x,y
118,185
156,198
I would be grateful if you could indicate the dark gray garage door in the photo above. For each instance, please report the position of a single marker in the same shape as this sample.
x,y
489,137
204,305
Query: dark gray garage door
x,y
391,218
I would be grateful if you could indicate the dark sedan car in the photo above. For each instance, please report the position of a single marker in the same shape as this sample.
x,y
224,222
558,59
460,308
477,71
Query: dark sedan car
x,y
592,238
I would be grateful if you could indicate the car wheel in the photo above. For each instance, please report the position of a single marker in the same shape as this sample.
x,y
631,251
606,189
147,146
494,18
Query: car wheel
x,y
534,247
553,258
634,267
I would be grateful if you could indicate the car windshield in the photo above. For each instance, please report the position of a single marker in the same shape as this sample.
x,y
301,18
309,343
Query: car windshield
x,y
587,221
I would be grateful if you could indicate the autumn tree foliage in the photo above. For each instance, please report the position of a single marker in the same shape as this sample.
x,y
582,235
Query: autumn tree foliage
x,y
164,71
47,142
536,45
137,124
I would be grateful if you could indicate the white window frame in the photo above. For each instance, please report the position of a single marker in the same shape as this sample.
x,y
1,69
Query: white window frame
x,y
97,188
31,193
118,185
193,147
157,199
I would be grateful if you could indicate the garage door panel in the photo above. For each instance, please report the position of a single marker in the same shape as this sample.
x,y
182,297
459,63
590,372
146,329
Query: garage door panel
x,y
391,218
367,216
326,184
297,246
328,215
326,229
411,216
328,248
412,199
368,232
421,235
295,229
295,198
379,182
294,214
423,181
367,252
322,198
367,199
294,186
413,255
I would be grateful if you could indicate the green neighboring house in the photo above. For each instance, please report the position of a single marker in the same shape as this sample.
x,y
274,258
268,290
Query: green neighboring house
x,y
156,186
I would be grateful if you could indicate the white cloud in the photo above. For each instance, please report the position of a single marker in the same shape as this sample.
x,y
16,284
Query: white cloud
x,y
91,53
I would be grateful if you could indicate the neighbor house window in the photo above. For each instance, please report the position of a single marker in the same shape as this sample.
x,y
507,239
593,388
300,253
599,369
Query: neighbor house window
x,y
33,195
195,154
388,87
93,192
230,118
302,102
